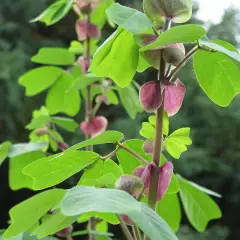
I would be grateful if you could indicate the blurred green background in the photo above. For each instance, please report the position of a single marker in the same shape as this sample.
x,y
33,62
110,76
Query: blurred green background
x,y
213,159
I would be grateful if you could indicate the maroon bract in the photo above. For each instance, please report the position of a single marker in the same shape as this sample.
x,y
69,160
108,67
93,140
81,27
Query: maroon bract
x,y
144,173
94,126
150,96
84,30
65,232
84,64
165,176
164,180
173,97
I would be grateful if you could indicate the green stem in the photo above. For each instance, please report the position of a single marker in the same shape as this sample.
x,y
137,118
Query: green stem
x,y
156,158
69,237
89,116
111,154
96,107
182,63
153,187
137,233
125,229
133,153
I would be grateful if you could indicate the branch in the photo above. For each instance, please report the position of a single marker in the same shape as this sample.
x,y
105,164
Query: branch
x,y
125,229
111,154
133,153
182,63
136,232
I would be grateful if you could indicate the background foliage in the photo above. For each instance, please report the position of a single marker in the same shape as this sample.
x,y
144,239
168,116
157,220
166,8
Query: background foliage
x,y
212,160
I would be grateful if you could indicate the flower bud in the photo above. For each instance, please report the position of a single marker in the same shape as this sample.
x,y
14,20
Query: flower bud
x,y
179,11
84,6
84,30
84,64
148,146
152,12
166,172
150,96
65,232
62,146
174,53
173,97
130,184
41,131
95,126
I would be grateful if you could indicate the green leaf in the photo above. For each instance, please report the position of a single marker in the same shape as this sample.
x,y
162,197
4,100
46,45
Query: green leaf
x,y
54,138
142,64
17,180
27,213
38,122
4,150
169,209
53,224
203,189
54,12
217,75
98,16
128,161
187,33
104,50
174,186
34,138
17,237
77,201
21,148
106,180
199,207
130,100
112,97
54,56
152,120
177,141
101,174
148,129
41,112
61,101
95,90
118,52
76,47
93,172
223,47
102,227
65,123
50,171
130,19
106,216
83,81
105,137
111,167
39,79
